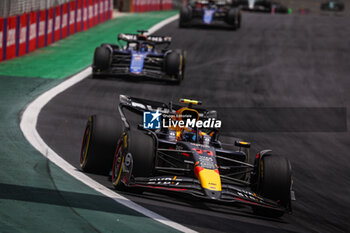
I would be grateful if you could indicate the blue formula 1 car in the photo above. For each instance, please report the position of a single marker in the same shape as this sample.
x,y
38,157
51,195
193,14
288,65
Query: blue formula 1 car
x,y
208,11
140,58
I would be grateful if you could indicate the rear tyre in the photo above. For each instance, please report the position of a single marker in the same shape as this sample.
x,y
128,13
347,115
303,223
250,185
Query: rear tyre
x,y
99,143
274,182
142,148
102,59
185,16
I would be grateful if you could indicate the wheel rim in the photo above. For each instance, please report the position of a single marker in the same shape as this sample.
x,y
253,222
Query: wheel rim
x,y
117,166
85,145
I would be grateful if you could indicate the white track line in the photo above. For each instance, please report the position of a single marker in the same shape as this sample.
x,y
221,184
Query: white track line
x,y
28,126
162,24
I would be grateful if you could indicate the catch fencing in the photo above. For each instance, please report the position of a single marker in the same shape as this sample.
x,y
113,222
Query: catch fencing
x,y
151,5
26,25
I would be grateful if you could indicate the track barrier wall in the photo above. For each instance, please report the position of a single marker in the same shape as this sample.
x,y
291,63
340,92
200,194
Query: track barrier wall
x,y
22,34
151,5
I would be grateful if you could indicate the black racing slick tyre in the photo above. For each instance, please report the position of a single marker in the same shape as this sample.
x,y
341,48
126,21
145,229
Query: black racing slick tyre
x,y
185,16
102,58
234,18
142,149
274,182
174,65
99,143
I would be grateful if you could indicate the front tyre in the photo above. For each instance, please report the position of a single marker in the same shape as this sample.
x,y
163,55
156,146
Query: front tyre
x,y
274,182
137,160
142,149
174,65
102,59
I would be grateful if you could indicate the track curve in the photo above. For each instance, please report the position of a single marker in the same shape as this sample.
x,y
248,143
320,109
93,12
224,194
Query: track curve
x,y
272,61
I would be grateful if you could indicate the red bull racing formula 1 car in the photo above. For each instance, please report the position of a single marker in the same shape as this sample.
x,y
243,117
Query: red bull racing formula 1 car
x,y
208,11
176,148
142,56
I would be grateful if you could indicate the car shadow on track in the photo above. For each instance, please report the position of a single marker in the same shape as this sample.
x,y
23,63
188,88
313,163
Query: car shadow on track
x,y
214,27
127,79
177,199
62,198
176,203
177,206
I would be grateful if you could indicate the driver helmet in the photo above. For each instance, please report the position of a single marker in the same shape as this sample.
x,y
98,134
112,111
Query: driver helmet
x,y
188,135
144,48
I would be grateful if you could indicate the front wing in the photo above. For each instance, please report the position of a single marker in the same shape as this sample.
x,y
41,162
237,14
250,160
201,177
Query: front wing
x,y
125,72
229,194
121,62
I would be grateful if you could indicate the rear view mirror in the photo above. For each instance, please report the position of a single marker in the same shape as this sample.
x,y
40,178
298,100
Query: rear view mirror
x,y
242,144
212,114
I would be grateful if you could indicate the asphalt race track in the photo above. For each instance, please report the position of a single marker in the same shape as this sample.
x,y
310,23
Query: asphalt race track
x,y
279,61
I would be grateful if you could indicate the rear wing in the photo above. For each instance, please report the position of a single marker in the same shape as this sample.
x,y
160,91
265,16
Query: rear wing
x,y
128,37
206,2
143,105
139,105
151,105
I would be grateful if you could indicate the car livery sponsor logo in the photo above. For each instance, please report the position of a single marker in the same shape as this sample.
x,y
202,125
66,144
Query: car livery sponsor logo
x,y
151,120
164,181
137,60
208,16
